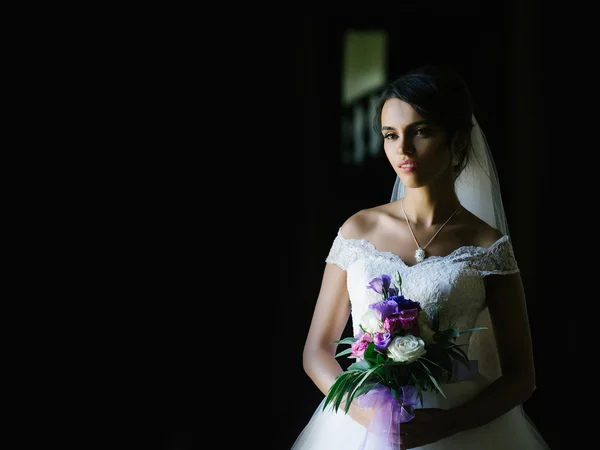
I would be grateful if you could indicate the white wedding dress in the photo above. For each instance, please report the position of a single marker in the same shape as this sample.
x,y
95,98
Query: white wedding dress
x,y
456,283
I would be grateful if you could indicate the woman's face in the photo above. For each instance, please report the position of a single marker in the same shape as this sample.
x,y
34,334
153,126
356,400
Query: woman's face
x,y
418,151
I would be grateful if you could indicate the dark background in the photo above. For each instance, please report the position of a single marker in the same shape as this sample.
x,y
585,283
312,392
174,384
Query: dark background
x,y
285,192
220,187
500,49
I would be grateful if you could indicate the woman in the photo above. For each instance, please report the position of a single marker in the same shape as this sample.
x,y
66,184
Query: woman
x,y
444,232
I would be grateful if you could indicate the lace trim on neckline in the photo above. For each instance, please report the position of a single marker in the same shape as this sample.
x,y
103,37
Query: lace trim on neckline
x,y
453,254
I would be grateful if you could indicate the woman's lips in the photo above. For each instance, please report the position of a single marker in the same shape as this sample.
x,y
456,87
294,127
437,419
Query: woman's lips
x,y
407,166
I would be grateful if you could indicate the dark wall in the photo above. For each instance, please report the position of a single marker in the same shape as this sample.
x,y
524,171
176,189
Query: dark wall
x,y
497,51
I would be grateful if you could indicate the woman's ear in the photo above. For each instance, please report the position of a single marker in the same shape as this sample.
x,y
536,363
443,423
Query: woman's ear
x,y
459,143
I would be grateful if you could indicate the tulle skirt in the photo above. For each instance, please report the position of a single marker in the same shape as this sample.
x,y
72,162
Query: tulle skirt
x,y
327,430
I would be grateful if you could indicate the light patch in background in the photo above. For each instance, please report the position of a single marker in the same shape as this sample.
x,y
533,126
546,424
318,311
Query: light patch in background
x,y
364,72
364,65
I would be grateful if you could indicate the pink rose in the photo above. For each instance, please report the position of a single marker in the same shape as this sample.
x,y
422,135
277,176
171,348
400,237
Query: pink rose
x,y
406,320
392,323
409,318
359,347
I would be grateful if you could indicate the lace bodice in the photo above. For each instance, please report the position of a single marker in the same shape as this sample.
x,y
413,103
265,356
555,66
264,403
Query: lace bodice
x,y
455,282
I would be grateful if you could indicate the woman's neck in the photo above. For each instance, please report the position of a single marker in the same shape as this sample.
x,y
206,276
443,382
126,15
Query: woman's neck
x,y
426,209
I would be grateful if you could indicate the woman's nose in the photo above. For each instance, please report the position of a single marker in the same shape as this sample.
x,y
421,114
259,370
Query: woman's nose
x,y
404,147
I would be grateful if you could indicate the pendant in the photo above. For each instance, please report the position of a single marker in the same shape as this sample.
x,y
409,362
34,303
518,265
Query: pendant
x,y
419,255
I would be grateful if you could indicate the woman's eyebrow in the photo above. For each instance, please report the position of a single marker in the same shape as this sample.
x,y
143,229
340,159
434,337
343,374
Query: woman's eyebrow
x,y
410,125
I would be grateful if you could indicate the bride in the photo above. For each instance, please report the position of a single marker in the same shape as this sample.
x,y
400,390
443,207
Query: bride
x,y
445,232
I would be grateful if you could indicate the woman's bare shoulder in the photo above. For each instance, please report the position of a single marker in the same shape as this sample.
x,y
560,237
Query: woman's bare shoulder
x,y
483,234
362,223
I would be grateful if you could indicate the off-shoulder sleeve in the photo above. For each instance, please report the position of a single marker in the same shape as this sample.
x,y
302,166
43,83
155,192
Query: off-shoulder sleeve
x,y
498,259
343,252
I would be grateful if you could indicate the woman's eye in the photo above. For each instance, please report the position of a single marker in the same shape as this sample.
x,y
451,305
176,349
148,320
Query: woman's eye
x,y
420,132
389,136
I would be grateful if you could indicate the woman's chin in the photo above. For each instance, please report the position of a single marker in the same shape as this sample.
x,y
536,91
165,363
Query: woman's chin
x,y
411,181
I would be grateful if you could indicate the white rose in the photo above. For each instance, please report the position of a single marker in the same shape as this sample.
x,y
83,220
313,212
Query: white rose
x,y
426,333
370,323
406,348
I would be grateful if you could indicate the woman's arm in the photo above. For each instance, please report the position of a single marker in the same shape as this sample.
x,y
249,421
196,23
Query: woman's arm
x,y
506,303
508,311
329,320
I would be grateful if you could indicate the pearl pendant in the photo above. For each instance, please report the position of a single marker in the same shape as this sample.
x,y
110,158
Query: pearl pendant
x,y
419,255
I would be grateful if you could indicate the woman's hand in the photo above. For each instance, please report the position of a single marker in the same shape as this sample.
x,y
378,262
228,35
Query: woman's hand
x,y
429,425
361,415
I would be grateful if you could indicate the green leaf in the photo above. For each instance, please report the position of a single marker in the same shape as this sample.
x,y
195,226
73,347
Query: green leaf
x,y
437,386
346,386
468,330
344,352
397,395
360,391
343,383
422,361
359,365
371,354
417,384
448,334
458,353
346,340
361,381
462,359
334,390
435,326
342,391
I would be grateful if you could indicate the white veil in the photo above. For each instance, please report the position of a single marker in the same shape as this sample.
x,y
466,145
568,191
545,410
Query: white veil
x,y
478,190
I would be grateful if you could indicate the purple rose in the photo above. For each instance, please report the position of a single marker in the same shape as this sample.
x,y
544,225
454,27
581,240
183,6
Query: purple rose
x,y
384,309
380,284
405,303
381,341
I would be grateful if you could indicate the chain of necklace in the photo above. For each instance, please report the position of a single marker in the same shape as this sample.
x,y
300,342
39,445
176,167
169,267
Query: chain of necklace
x,y
420,251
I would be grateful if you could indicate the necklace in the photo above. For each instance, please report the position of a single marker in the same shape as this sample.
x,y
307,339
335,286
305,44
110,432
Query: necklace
x,y
420,251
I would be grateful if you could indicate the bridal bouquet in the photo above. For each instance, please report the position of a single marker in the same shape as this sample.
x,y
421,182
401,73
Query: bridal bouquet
x,y
400,352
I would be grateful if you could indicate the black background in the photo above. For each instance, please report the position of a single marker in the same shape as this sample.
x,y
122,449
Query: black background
x,y
283,192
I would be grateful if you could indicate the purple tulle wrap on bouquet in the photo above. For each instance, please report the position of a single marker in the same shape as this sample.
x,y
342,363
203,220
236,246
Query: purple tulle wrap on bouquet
x,y
383,432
